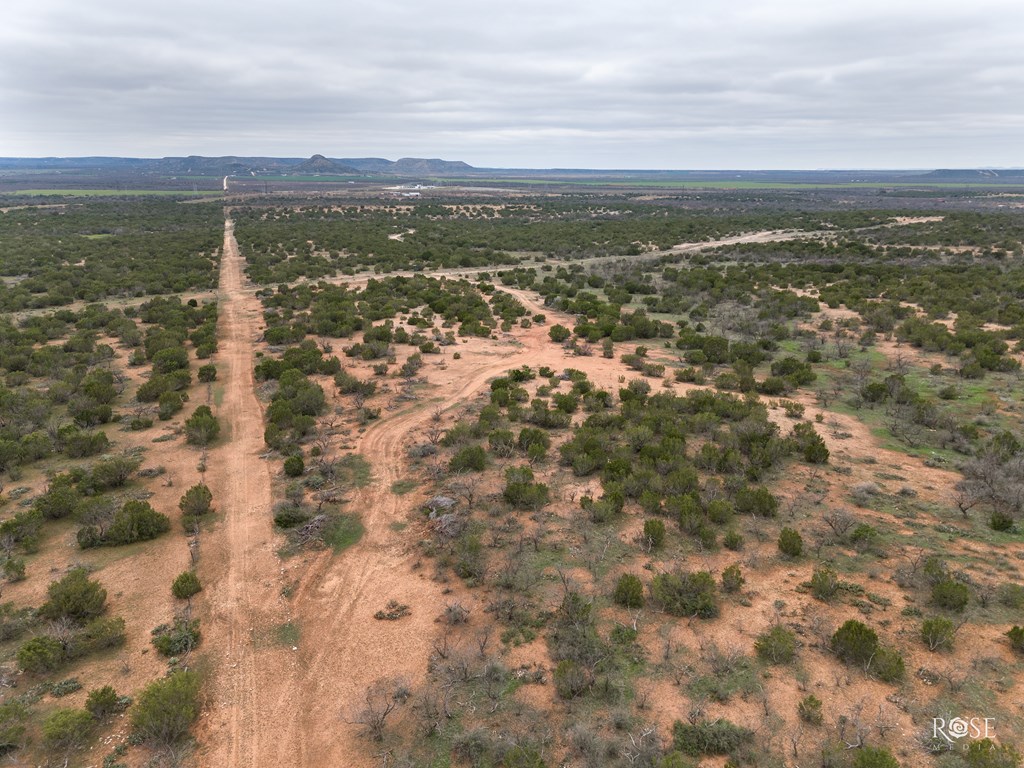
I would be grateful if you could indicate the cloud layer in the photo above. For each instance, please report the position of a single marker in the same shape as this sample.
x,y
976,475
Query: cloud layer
x,y
655,84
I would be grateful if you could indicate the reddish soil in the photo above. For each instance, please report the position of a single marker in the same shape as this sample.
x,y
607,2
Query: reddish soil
x,y
289,707
278,705
238,562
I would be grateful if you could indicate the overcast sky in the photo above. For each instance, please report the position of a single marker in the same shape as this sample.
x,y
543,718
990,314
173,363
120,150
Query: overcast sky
x,y
521,83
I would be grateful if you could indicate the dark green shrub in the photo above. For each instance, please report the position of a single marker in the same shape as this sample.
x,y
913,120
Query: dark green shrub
x,y
108,473
13,715
571,679
533,438
196,500
169,404
202,427
1016,635
629,591
288,515
756,501
78,444
887,665
14,569
175,639
686,594
40,655
559,333
951,595
866,538
719,737
732,579
170,359
777,645
720,511
294,466
502,442
809,710
208,373
520,490
166,709
855,643
470,558
59,501
1011,595
937,633
810,444
874,757
791,543
103,702
471,458
97,635
1000,521
67,729
74,597
185,585
654,533
733,540
824,583
135,521
985,753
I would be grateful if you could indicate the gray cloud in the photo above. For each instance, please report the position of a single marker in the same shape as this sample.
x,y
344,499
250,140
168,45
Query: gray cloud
x,y
791,83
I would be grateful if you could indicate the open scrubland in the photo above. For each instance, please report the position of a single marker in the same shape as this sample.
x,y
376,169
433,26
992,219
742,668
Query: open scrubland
x,y
506,478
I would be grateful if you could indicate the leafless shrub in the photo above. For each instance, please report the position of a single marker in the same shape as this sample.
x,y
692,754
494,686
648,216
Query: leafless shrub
x,y
381,699
456,613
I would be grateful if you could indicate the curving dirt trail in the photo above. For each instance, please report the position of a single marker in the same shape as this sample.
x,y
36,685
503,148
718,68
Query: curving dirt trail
x,y
337,596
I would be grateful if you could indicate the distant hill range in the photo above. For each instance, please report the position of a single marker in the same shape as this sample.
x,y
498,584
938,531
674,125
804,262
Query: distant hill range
x,y
195,165
416,168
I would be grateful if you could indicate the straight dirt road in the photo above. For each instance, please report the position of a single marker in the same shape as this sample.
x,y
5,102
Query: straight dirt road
x,y
237,562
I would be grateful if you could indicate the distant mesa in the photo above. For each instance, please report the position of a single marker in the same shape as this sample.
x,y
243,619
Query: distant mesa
x,y
320,165
407,165
418,165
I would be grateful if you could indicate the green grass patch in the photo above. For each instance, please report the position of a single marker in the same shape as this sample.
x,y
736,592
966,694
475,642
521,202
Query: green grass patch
x,y
343,531
287,634
354,471
402,487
